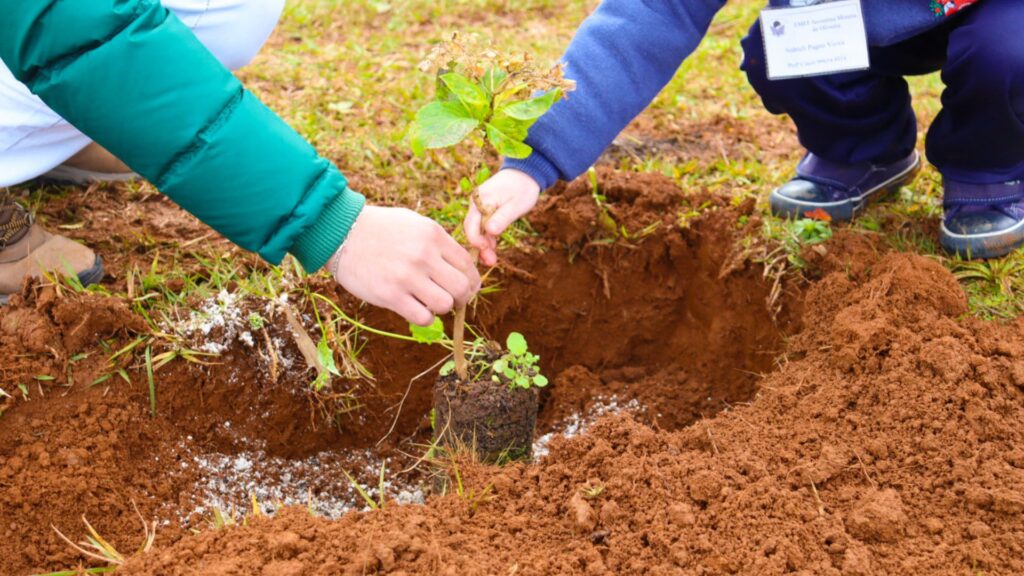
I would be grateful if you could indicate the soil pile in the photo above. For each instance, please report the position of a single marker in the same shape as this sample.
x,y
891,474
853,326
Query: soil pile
x,y
889,441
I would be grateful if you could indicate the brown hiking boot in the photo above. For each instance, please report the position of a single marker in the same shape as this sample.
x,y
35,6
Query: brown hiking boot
x,y
28,250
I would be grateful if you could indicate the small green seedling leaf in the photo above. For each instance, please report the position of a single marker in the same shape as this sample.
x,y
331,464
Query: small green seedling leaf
x,y
442,124
326,356
482,175
811,231
472,97
540,381
447,368
516,344
430,334
533,108
256,322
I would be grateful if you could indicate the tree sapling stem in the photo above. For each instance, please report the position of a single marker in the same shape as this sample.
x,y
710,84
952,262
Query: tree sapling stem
x,y
459,327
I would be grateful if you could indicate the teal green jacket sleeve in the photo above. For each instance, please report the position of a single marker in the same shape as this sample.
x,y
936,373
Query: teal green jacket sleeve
x,y
132,77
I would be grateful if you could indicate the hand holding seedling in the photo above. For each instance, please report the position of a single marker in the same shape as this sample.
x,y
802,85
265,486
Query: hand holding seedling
x,y
508,195
424,274
488,97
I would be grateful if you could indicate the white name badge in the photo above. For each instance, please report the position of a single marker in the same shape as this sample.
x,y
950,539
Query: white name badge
x,y
813,40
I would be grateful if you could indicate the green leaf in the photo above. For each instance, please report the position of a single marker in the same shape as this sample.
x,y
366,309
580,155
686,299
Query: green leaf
x,y
505,145
540,381
812,231
415,142
522,381
514,129
509,373
472,97
428,335
533,108
492,80
516,344
442,124
443,93
499,365
447,368
482,175
326,356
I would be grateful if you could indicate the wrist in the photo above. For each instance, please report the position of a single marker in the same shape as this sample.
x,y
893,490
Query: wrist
x,y
322,240
542,172
334,262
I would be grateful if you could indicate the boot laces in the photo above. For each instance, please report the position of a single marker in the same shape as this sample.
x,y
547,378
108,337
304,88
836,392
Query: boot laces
x,y
17,224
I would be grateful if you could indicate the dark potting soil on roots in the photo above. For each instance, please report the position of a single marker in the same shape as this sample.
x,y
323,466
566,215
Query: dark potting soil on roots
x,y
489,418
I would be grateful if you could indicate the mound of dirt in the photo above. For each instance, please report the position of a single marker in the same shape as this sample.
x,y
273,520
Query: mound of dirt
x,y
891,440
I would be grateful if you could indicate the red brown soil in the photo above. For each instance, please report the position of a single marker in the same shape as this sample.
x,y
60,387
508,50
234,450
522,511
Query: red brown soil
x,y
74,449
887,442
890,441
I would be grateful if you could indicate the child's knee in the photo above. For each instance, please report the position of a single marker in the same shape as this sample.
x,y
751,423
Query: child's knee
x,y
987,54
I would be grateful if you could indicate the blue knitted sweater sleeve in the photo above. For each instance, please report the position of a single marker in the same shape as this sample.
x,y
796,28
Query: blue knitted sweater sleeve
x,y
621,57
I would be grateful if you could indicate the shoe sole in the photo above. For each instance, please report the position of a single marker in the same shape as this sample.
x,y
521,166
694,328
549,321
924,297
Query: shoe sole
x,y
843,210
88,277
982,246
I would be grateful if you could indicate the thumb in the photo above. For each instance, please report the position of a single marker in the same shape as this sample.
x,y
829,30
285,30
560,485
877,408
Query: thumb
x,y
502,218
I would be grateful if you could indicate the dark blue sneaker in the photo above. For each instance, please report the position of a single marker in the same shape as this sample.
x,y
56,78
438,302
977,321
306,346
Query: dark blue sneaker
x,y
841,191
983,220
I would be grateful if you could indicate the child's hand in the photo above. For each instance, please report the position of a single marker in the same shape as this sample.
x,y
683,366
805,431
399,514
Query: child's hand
x,y
510,194
396,259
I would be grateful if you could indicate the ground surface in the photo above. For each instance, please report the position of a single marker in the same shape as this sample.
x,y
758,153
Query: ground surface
x,y
776,406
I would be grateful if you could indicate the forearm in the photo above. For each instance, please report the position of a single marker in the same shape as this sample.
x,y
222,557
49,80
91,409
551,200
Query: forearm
x,y
621,57
132,77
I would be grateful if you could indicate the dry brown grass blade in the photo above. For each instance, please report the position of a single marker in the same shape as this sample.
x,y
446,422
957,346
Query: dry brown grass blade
x,y
81,550
305,344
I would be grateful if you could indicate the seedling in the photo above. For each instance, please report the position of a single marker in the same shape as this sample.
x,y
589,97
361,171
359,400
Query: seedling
x,y
485,97
518,366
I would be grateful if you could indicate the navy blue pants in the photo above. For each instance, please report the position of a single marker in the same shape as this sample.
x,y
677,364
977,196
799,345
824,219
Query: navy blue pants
x,y
977,138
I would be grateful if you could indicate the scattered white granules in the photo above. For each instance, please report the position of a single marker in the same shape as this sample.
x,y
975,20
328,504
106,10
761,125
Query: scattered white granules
x,y
577,424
